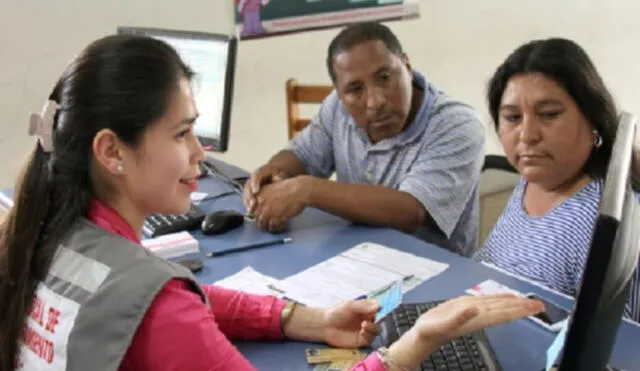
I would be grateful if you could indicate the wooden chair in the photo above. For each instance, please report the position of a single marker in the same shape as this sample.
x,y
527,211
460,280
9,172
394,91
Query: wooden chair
x,y
302,94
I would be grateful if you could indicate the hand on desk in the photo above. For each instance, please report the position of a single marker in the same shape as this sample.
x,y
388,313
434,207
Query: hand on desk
x,y
278,202
350,325
467,314
455,318
266,174
273,199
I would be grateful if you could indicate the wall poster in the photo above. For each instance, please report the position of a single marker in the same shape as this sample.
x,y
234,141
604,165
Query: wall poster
x,y
261,18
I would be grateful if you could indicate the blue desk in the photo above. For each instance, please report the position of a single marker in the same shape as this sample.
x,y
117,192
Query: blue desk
x,y
317,236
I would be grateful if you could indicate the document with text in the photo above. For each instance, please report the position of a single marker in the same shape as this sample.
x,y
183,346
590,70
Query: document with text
x,y
251,281
361,270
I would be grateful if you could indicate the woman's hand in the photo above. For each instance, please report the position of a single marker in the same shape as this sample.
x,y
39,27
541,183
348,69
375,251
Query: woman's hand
x,y
350,324
467,314
455,318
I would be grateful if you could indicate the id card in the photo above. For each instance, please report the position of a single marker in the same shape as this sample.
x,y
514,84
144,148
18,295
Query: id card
x,y
389,300
336,366
328,355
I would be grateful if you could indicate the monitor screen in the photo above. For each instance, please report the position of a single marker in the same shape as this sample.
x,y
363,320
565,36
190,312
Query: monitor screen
x,y
212,58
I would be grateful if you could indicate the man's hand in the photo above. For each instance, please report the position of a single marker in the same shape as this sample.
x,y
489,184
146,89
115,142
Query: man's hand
x,y
267,174
280,201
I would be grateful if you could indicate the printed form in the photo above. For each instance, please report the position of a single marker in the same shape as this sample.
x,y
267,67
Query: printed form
x,y
361,270
251,281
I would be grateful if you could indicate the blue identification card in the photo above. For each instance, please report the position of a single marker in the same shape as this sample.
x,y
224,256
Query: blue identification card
x,y
389,300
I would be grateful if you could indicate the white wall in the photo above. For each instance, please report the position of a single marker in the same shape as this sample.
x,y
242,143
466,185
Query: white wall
x,y
456,43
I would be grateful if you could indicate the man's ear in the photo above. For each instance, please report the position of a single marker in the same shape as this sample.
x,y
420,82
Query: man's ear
x,y
108,151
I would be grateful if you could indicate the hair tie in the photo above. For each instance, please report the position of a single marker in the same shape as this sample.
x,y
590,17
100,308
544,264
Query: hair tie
x,y
41,125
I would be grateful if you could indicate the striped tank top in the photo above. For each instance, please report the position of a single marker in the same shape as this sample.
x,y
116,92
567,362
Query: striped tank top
x,y
551,249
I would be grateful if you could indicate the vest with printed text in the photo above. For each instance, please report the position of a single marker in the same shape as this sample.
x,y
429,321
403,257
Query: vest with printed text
x,y
85,313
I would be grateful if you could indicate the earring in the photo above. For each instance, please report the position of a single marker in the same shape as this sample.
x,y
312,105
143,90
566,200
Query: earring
x,y
597,140
119,168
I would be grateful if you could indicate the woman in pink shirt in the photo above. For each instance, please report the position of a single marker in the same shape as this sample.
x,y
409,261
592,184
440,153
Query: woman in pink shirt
x,y
115,144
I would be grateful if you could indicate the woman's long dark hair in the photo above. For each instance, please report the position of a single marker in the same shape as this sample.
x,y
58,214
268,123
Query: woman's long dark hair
x,y
568,65
122,83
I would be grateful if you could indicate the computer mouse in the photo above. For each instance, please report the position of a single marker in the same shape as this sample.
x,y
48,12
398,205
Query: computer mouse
x,y
222,221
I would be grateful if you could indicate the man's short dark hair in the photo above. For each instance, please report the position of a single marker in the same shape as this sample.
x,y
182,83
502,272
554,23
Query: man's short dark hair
x,y
359,33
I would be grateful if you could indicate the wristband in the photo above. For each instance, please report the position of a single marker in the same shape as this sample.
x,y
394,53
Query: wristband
x,y
387,361
286,313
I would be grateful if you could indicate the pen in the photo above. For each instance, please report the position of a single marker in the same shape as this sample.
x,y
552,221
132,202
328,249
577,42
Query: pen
x,y
212,254
383,288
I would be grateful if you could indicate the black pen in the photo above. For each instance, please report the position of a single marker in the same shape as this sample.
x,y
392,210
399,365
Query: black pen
x,y
212,254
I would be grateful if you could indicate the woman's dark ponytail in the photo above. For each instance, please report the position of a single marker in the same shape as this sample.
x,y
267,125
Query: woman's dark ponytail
x,y
23,260
121,83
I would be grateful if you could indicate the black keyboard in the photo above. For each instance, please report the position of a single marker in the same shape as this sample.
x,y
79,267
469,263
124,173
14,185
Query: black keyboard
x,y
158,224
469,353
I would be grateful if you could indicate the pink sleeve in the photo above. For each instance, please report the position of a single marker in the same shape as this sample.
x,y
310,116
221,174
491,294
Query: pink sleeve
x,y
243,316
250,317
371,363
179,332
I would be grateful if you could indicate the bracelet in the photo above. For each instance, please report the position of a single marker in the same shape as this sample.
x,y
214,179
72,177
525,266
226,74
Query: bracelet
x,y
286,313
387,361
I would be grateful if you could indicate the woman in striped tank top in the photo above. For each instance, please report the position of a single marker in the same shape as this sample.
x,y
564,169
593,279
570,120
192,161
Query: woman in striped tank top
x,y
556,121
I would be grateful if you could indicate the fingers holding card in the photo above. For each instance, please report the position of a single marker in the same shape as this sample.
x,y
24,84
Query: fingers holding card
x,y
389,300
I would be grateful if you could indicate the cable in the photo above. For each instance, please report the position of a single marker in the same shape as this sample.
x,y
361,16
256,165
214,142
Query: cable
x,y
215,197
239,188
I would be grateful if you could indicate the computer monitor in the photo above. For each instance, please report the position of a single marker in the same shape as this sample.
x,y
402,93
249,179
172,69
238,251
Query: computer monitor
x,y
609,268
212,57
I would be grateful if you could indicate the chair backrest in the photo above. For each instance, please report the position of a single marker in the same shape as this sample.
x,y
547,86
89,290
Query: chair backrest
x,y
498,162
497,181
302,94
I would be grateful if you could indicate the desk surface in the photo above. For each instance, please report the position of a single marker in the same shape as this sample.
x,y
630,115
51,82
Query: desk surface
x,y
318,236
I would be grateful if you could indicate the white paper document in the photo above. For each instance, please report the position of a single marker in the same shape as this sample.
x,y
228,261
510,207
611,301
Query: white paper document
x,y
358,271
198,196
251,281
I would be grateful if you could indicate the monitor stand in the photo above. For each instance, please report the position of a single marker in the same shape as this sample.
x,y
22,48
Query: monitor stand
x,y
204,171
208,168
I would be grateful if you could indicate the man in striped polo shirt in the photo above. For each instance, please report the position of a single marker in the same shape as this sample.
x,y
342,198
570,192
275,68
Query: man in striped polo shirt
x,y
405,155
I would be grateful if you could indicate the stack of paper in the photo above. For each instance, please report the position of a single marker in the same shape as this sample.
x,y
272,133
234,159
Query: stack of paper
x,y
172,245
251,281
358,271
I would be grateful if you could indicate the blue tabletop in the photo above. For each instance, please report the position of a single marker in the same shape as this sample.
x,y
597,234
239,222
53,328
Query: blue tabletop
x,y
317,236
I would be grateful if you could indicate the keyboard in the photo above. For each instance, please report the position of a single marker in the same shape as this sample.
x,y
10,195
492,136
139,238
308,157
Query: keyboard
x,y
159,224
469,353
